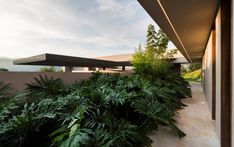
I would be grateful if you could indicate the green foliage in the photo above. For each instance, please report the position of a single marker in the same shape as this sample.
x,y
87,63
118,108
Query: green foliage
x,y
49,69
8,101
155,56
183,70
194,66
156,44
44,87
193,76
3,69
106,110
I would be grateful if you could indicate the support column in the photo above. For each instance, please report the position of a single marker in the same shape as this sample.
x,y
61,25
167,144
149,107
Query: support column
x,y
68,69
225,73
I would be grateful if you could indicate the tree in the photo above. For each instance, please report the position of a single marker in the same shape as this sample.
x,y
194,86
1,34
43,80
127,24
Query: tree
x,y
194,66
157,44
152,59
183,69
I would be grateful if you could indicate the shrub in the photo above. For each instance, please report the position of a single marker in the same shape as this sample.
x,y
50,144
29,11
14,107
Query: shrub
x,y
193,76
49,69
106,110
194,66
3,69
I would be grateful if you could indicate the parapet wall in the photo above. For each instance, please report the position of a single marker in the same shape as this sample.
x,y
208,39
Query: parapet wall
x,y
19,79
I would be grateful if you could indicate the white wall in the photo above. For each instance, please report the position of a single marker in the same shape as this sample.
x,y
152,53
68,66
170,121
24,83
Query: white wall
x,y
207,73
218,74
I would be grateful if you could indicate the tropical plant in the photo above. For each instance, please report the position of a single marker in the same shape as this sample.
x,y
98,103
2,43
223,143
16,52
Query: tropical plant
x,y
107,110
8,101
45,87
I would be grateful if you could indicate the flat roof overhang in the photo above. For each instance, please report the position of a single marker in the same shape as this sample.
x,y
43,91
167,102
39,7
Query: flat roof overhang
x,y
61,60
187,23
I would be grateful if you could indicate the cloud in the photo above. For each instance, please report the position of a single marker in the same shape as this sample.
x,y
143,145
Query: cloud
x,y
79,28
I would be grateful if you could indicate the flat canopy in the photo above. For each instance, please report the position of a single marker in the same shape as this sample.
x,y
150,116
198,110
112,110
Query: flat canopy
x,y
187,23
61,60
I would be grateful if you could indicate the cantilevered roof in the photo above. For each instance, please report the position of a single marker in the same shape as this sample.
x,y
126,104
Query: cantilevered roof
x,y
186,22
119,57
61,60
177,59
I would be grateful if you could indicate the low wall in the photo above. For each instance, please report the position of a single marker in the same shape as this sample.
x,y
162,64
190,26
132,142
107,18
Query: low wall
x,y
19,79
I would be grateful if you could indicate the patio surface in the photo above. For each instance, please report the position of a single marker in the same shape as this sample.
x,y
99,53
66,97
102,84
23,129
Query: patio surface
x,y
195,120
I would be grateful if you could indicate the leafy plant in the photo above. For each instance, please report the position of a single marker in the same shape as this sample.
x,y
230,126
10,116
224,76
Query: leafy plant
x,y
107,110
49,69
8,101
3,69
194,66
45,87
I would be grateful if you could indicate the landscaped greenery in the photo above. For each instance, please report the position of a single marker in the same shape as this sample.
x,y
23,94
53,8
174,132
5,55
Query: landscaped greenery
x,y
105,110
194,76
49,69
3,69
191,72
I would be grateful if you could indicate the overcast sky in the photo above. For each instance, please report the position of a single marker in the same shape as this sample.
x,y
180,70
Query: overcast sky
x,y
85,28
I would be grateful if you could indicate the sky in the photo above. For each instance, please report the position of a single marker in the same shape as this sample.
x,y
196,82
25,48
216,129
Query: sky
x,y
85,28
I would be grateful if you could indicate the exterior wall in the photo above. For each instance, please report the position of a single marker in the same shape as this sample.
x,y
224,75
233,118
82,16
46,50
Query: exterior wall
x,y
218,75
19,79
207,73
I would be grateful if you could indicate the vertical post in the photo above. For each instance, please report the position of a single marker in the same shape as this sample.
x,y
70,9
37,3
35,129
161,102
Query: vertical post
x,y
225,73
123,67
104,68
68,69
213,34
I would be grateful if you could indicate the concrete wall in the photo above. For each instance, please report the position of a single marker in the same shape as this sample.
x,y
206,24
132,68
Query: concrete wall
x,y
218,75
207,73
19,79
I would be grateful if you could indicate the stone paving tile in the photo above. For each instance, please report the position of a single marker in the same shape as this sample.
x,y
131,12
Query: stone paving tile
x,y
195,120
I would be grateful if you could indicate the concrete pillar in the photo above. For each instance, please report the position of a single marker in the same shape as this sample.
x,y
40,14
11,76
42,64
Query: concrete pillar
x,y
68,69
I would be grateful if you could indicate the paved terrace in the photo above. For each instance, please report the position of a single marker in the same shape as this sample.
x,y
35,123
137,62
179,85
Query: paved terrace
x,y
195,120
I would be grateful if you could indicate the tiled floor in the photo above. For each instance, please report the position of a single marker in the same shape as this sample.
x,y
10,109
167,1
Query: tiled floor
x,y
195,120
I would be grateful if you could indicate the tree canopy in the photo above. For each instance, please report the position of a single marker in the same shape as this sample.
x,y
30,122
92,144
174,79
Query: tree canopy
x,y
153,56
